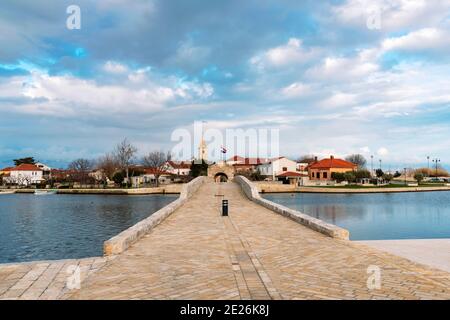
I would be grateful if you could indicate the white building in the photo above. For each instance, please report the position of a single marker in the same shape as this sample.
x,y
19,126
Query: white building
x,y
43,167
179,168
26,174
149,177
277,166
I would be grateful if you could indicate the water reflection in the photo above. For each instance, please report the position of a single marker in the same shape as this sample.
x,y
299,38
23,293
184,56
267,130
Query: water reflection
x,y
67,226
377,216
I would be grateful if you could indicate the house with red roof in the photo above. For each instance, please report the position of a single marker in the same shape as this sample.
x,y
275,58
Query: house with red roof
x,y
291,177
322,170
246,164
179,168
272,168
25,175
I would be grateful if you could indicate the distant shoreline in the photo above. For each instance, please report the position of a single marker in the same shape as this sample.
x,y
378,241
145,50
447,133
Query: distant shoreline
x,y
169,189
279,189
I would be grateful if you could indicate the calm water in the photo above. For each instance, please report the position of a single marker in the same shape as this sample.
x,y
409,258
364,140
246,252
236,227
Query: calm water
x,y
67,226
421,215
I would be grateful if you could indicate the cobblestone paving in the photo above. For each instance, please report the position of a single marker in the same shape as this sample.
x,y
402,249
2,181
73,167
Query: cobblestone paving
x,y
253,254
46,280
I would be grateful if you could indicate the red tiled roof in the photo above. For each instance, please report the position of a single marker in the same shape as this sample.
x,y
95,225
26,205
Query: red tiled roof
x,y
26,167
247,161
332,163
154,170
180,165
291,174
7,169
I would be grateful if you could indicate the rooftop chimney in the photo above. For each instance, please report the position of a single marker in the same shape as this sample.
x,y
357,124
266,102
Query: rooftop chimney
x,y
315,159
331,157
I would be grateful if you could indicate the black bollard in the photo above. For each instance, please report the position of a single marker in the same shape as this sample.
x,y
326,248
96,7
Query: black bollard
x,y
224,208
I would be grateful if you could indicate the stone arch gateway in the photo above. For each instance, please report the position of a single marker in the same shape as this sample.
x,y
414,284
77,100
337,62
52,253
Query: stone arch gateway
x,y
221,172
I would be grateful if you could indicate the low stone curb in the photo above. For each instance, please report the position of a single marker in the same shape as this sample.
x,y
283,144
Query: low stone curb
x,y
328,229
126,238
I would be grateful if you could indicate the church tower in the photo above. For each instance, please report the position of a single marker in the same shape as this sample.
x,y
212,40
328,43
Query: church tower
x,y
203,150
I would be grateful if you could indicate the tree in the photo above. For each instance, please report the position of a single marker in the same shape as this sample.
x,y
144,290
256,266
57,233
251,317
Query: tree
x,y
108,165
387,177
432,172
81,168
350,176
118,177
357,159
379,173
156,160
397,174
199,169
27,160
362,174
307,159
124,154
338,176
418,176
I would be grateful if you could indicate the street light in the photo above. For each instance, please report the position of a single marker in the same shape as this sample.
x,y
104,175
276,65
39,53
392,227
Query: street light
x,y
405,177
428,171
436,162
371,162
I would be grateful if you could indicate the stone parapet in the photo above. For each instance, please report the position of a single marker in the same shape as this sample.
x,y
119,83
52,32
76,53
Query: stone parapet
x,y
125,239
251,191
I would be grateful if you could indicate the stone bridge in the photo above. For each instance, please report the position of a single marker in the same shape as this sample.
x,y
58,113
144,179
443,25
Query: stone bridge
x,y
254,253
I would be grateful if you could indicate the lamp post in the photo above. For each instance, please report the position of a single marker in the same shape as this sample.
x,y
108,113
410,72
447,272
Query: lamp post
x,y
436,162
428,171
405,177
371,163
380,164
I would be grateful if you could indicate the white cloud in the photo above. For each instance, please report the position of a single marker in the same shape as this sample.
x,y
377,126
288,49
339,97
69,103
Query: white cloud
x,y
115,67
394,14
345,68
365,149
423,39
382,152
338,100
292,53
68,95
295,90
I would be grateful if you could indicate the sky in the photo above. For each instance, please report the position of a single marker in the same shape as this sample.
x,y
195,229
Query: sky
x,y
334,77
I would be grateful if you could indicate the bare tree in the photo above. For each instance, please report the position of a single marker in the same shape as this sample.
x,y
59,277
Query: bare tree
x,y
307,159
81,168
357,159
156,160
108,165
124,154
81,164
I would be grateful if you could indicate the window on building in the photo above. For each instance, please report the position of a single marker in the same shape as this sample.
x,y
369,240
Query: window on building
x,y
284,168
318,175
325,175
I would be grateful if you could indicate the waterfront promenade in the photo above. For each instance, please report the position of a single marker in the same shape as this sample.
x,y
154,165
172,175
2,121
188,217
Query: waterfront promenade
x,y
252,254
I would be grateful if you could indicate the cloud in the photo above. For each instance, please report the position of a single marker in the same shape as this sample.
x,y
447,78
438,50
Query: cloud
x,y
382,152
295,90
67,95
338,100
421,40
115,67
347,68
394,14
290,54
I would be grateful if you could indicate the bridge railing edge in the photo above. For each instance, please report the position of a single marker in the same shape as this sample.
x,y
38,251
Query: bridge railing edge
x,y
121,242
251,191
